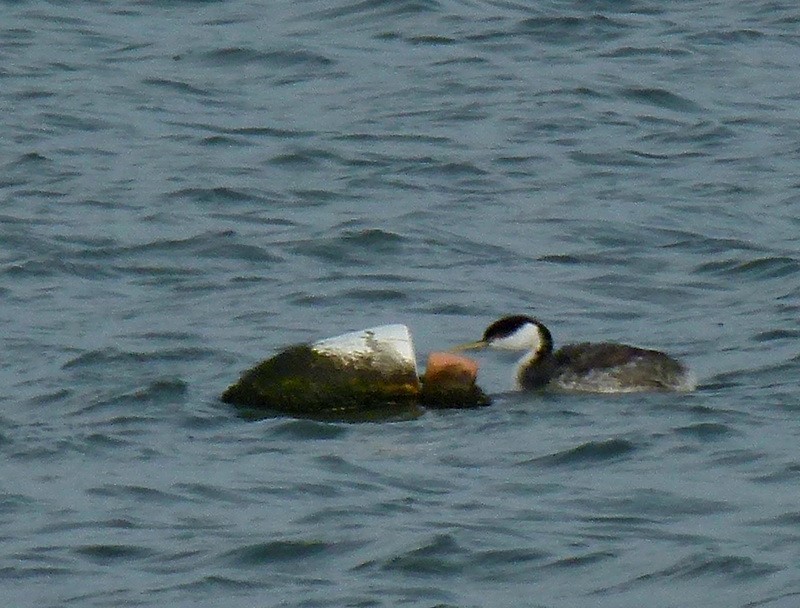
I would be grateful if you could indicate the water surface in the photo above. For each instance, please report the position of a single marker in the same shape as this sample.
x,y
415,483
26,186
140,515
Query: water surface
x,y
187,187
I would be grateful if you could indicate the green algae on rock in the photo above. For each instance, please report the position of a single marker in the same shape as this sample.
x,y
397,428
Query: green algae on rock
x,y
365,370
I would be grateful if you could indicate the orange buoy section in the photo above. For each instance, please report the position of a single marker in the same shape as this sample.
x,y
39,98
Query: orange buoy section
x,y
450,381
450,367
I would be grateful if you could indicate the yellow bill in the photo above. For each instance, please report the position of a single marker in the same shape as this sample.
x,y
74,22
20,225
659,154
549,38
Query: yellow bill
x,y
468,346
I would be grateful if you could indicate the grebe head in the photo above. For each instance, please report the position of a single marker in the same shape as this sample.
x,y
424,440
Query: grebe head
x,y
515,332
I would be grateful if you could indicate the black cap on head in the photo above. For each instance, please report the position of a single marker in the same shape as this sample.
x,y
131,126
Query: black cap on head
x,y
507,326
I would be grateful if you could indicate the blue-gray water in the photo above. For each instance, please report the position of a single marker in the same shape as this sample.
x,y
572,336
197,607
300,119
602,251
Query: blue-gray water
x,y
188,186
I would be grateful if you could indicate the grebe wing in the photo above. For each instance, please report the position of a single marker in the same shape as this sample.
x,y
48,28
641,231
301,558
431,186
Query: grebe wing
x,y
587,356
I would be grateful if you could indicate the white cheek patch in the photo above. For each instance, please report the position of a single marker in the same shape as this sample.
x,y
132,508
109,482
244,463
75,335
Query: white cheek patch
x,y
527,337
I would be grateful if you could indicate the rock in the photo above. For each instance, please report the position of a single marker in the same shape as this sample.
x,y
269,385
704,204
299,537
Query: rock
x,y
370,370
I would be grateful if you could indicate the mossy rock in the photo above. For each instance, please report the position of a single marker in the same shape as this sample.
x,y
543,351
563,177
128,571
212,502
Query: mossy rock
x,y
443,393
304,381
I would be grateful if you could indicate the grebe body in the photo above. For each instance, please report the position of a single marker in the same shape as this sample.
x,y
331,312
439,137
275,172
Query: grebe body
x,y
596,367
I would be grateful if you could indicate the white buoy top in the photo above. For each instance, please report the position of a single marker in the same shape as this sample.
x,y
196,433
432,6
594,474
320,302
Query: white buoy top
x,y
382,343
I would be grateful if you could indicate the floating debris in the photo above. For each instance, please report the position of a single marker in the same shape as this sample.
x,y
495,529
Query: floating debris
x,y
369,374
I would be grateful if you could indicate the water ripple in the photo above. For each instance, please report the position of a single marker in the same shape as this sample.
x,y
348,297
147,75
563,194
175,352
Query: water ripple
x,y
568,29
277,59
107,356
706,431
587,453
660,98
277,552
761,268
372,11
108,554
177,86
704,565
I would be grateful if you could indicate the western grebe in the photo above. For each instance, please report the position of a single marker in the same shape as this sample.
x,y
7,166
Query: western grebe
x,y
586,367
